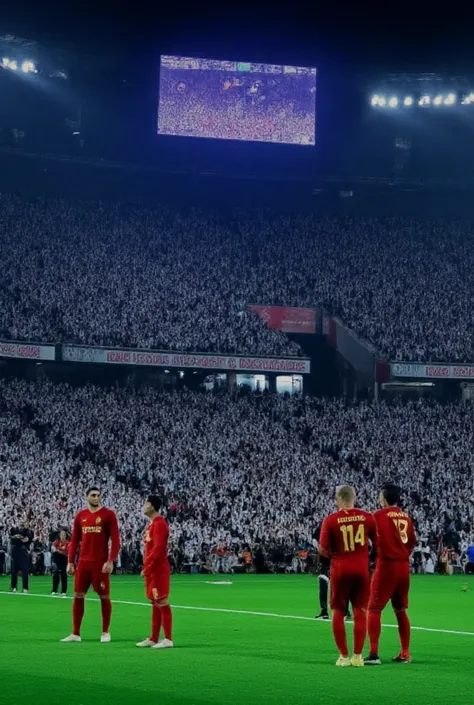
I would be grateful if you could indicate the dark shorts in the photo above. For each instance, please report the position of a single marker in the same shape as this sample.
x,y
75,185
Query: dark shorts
x,y
88,574
390,581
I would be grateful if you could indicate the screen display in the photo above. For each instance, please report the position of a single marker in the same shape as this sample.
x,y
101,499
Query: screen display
x,y
236,100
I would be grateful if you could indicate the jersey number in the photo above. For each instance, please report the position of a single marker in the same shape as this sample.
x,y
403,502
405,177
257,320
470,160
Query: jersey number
x,y
402,526
349,539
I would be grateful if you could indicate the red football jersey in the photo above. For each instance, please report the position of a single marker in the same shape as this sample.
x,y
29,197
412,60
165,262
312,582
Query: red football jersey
x,y
396,536
345,536
94,531
61,546
156,547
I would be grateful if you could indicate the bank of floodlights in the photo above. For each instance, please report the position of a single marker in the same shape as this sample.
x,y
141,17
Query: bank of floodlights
x,y
437,100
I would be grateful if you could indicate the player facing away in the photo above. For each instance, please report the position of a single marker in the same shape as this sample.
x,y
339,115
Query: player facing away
x,y
345,537
96,534
396,540
156,571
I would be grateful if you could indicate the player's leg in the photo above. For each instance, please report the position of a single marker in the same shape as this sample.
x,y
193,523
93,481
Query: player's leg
x,y
55,580
151,592
82,581
101,585
162,604
381,589
359,598
340,587
323,581
14,576
63,581
25,571
400,606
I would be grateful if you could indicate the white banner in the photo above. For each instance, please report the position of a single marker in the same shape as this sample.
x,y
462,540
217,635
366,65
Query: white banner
x,y
149,358
27,351
431,370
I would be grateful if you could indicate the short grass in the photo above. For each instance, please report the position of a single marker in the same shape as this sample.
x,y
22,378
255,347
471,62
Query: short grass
x,y
225,654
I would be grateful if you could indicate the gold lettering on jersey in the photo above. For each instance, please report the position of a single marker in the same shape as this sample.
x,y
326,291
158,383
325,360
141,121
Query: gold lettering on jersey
x,y
91,529
98,520
396,515
348,520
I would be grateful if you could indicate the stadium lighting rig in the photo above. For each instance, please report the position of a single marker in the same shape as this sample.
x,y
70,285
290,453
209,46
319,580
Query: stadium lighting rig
x,y
426,91
24,57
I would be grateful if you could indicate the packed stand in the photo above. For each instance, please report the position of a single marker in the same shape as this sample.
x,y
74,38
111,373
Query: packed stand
x,y
244,472
154,278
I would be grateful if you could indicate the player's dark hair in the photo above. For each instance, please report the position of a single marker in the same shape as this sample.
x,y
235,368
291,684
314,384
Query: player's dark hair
x,y
155,501
391,493
92,489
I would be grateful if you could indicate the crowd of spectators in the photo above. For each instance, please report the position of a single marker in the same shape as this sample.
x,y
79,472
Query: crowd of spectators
x,y
243,470
110,274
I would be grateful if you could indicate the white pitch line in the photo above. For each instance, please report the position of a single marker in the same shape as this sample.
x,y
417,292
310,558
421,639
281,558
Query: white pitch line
x,y
275,615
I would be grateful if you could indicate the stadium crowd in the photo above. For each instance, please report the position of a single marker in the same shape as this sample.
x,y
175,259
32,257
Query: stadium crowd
x,y
110,274
243,470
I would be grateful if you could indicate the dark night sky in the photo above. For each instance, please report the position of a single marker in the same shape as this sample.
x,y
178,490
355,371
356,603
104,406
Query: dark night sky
x,y
391,36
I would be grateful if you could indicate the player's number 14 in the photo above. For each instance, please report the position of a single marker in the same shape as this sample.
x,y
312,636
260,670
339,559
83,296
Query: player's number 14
x,y
349,539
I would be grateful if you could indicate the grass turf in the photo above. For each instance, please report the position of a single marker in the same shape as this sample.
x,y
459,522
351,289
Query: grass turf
x,y
230,657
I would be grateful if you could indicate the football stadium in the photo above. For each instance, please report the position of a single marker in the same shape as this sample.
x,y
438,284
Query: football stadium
x,y
236,360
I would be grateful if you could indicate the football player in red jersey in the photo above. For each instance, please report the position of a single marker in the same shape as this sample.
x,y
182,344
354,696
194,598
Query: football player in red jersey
x,y
345,537
396,540
156,571
96,530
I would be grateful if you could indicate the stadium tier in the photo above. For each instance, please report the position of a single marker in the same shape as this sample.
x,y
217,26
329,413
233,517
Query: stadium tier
x,y
119,275
236,470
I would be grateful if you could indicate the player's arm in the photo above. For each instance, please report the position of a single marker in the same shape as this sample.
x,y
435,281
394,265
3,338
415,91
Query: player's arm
x,y
114,538
372,533
324,540
412,539
158,552
74,545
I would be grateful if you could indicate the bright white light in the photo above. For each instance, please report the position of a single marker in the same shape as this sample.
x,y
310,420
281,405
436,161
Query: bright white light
x,y
408,101
382,101
438,100
13,65
393,102
424,100
468,99
450,99
374,101
28,67
5,62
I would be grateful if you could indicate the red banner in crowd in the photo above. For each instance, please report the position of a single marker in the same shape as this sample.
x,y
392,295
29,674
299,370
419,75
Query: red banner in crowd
x,y
27,351
150,358
287,319
421,370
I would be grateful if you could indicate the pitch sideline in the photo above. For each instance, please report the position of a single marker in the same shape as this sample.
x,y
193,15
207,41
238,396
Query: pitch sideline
x,y
229,611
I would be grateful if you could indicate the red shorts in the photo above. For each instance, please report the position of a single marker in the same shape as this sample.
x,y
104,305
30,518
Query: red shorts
x,y
88,574
390,581
349,585
157,586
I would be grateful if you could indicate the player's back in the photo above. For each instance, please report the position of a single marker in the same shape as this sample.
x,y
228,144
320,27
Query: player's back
x,y
345,536
396,537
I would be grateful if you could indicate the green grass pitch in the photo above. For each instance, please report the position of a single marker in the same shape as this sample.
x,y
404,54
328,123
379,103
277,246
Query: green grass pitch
x,y
254,641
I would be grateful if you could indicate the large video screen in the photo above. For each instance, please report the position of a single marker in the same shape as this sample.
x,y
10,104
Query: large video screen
x,y
235,100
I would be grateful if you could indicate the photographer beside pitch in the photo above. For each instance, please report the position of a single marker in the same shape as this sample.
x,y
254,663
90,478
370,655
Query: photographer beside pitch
x,y
21,539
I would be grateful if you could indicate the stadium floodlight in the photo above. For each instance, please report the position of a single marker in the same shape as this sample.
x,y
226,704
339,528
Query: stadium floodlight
x,y
5,62
424,100
393,102
382,101
468,99
28,67
375,100
408,101
438,100
13,65
450,99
